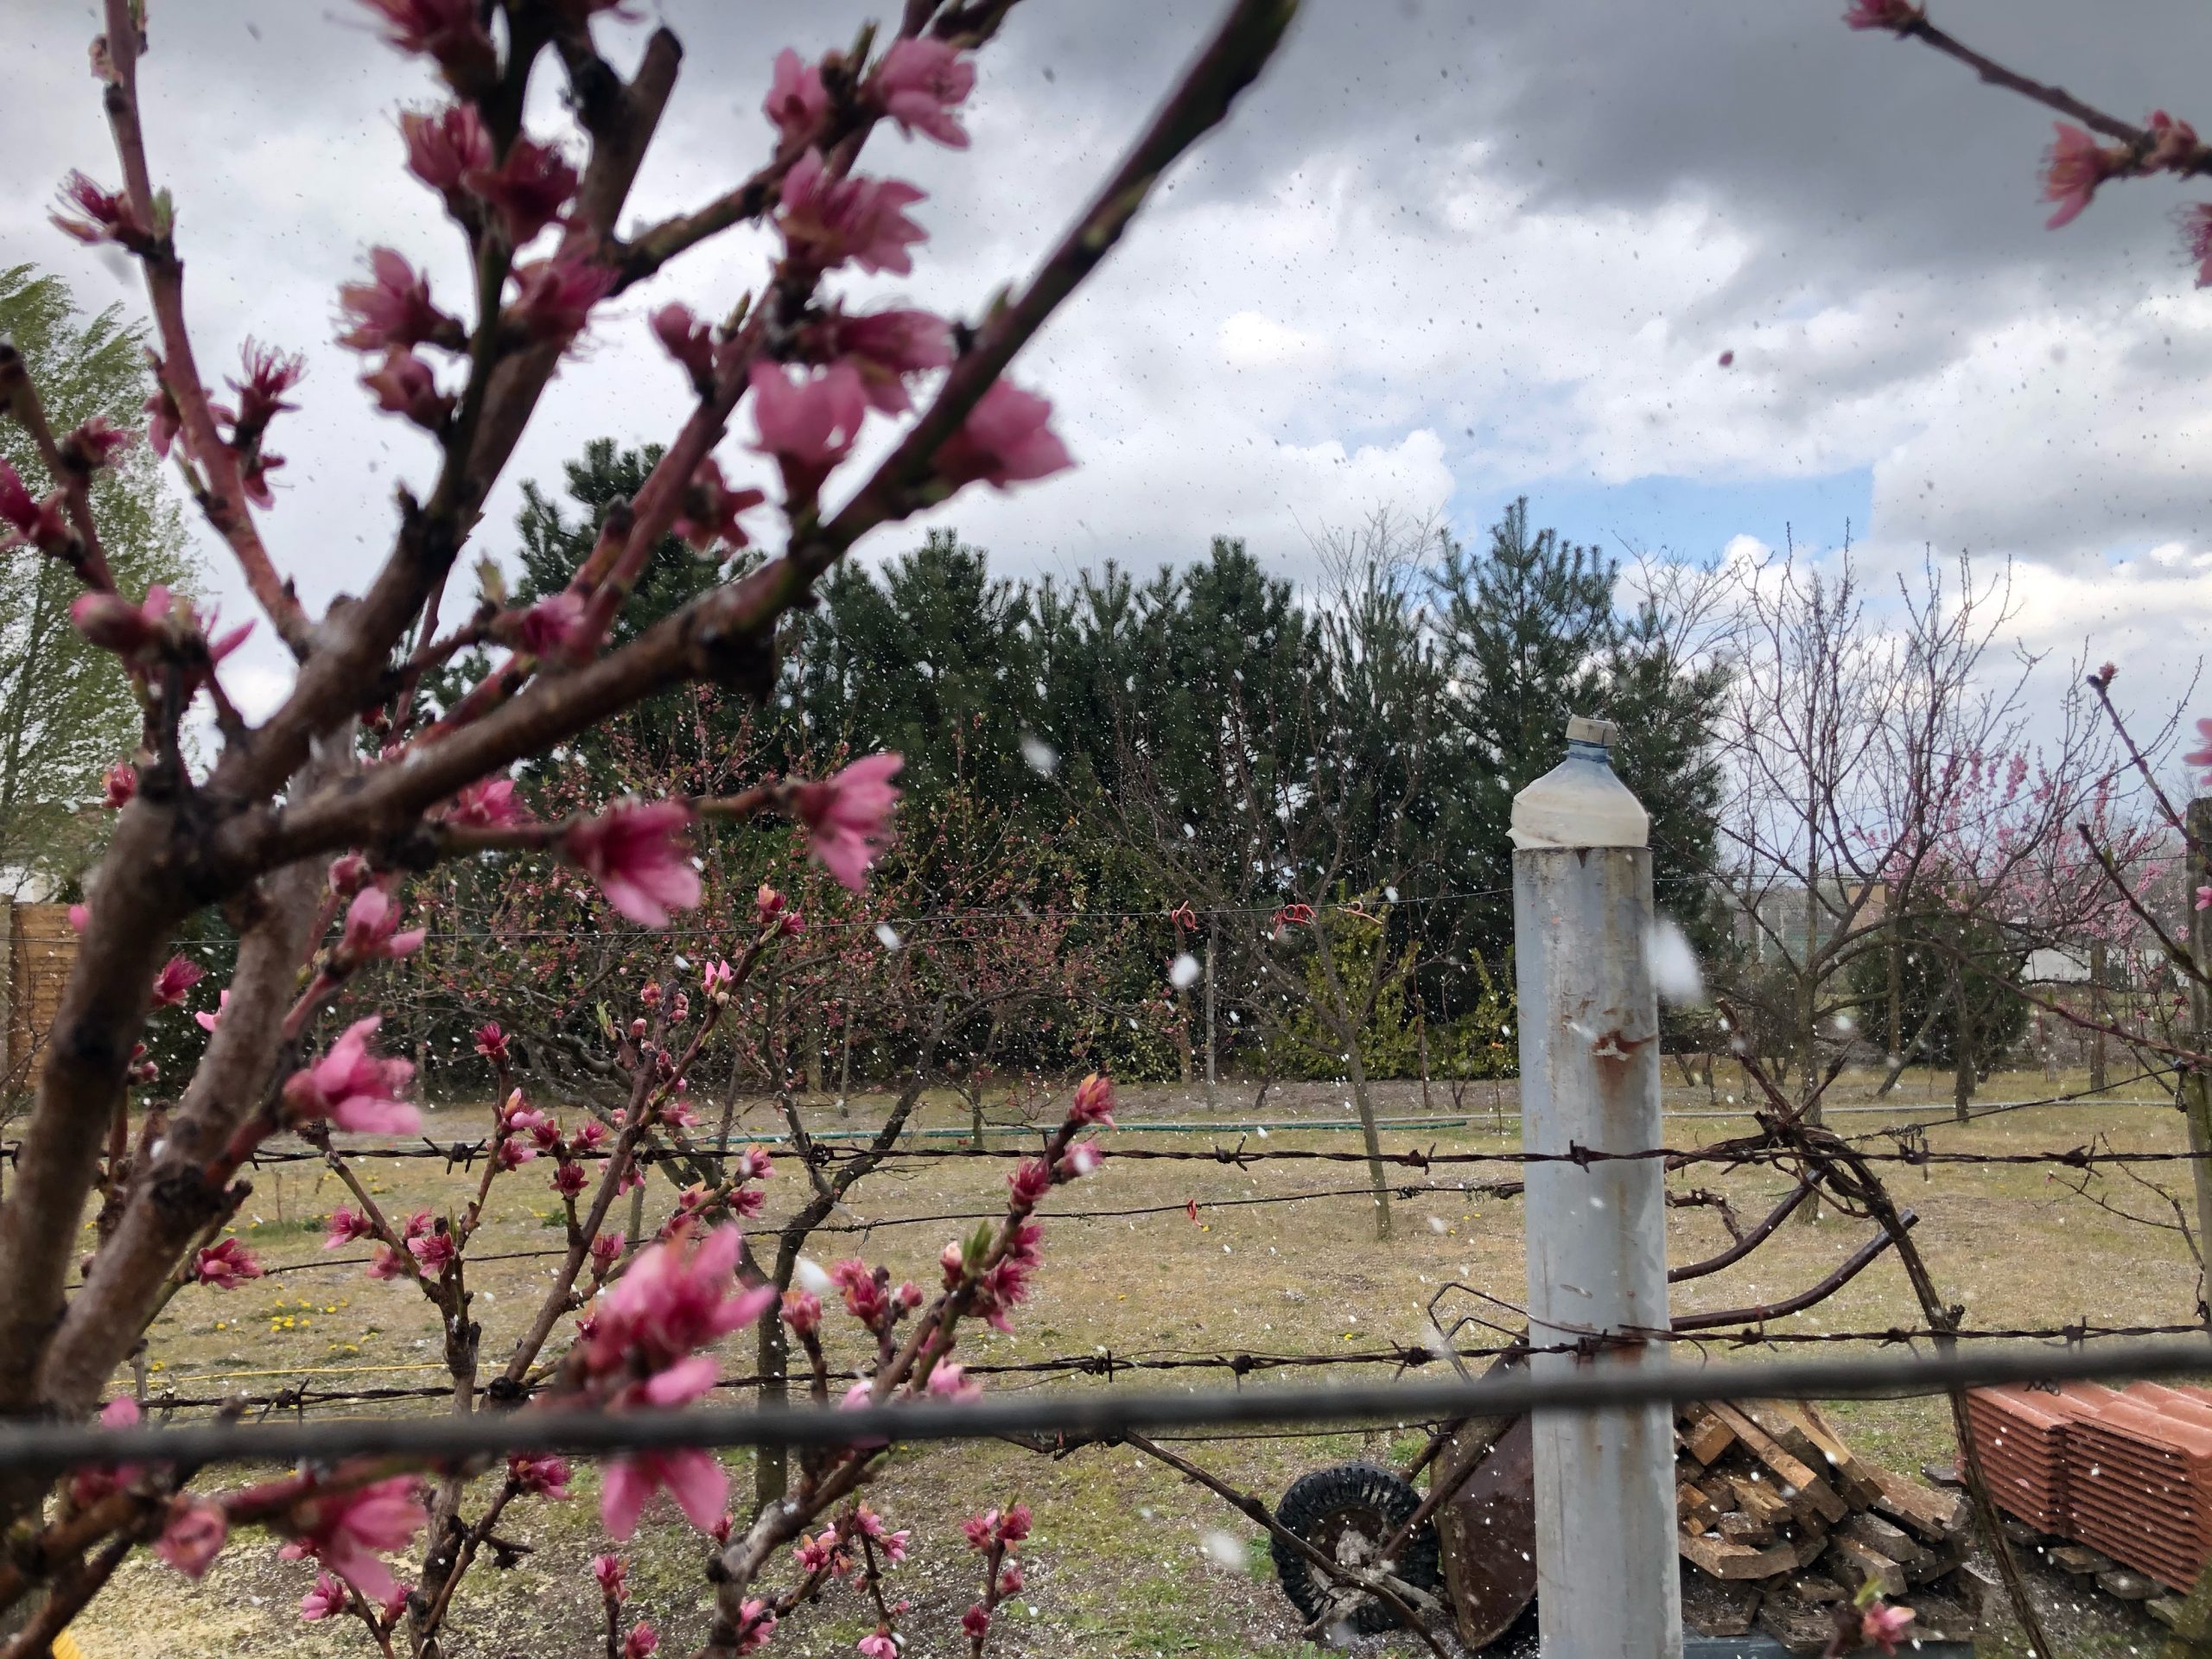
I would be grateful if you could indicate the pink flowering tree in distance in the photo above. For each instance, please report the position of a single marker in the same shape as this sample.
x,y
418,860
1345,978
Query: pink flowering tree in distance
x,y
2090,149
306,838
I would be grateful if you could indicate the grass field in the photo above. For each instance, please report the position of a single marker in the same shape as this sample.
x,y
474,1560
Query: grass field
x,y
1127,1558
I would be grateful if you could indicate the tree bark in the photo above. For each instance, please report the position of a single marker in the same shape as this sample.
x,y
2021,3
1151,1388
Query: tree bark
x,y
1347,1031
1962,1046
2097,1083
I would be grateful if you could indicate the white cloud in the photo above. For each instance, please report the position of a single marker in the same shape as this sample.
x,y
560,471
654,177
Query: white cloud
x,y
1370,291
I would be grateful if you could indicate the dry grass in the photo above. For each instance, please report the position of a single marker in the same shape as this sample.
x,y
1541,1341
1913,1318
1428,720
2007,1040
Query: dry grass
x,y
1121,1562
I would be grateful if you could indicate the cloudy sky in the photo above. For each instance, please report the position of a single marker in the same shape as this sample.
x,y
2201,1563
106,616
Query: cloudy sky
x,y
1450,251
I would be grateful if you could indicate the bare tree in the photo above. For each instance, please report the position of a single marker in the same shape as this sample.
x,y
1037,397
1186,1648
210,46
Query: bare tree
x,y
1882,770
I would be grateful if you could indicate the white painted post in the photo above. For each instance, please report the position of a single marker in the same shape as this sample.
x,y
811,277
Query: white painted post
x,y
1606,1576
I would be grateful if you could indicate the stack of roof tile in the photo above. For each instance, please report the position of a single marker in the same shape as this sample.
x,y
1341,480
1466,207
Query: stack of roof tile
x,y
2021,1436
2128,1473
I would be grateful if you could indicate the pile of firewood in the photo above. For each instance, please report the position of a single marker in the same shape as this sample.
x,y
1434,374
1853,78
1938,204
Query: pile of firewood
x,y
1780,1519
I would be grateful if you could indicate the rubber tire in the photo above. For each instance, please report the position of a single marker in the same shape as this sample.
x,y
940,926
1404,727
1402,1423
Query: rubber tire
x,y
1313,1499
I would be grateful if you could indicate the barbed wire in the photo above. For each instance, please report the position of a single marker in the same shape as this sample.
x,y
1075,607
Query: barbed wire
x,y
464,1154
45,1449
1109,1364
1974,1114
1722,1152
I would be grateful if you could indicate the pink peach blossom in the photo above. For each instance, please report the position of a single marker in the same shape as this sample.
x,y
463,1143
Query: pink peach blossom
x,y
164,420
344,1226
950,1381
808,426
2201,756
638,855
393,312
614,1581
100,215
545,629
434,27
38,524
848,816
347,1532
1082,1159
2173,145
827,220
860,1397
885,346
693,1480
802,1311
118,785
687,339
710,509
207,1021
918,85
353,1089
326,1600
878,1646
1031,1180
1882,14
641,1641
269,374
434,1251
553,297
444,145
92,444
797,100
1004,441
193,1537
540,1476
114,623
226,1265
372,930
487,803
406,386
2074,167
755,1625
677,1297
2197,232
177,978
1884,1627
1093,1102
527,189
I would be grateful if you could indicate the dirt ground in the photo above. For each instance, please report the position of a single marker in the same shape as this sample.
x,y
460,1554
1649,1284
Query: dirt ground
x,y
1127,1557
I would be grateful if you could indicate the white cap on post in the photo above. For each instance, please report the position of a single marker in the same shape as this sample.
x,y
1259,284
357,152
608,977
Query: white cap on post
x,y
1581,802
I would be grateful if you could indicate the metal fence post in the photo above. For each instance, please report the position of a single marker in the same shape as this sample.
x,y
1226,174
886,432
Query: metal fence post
x,y
1607,1579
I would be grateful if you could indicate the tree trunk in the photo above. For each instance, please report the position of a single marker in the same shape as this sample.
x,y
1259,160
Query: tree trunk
x,y
1962,1046
1348,1034
2097,1083
772,1464
1897,995
1212,926
1421,1030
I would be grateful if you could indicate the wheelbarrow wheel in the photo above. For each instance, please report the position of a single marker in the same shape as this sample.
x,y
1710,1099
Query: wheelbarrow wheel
x,y
1347,1513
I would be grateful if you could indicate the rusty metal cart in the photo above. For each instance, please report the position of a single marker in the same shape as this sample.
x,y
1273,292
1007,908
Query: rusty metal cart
x,y
1472,1539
